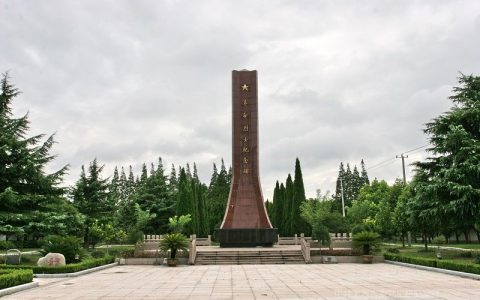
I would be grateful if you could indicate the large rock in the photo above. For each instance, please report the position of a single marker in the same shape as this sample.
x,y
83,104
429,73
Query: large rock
x,y
52,259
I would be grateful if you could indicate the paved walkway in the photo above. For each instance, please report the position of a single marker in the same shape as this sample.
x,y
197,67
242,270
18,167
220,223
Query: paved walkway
x,y
316,281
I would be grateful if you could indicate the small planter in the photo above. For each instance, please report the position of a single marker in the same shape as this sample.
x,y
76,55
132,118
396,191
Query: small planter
x,y
367,259
172,262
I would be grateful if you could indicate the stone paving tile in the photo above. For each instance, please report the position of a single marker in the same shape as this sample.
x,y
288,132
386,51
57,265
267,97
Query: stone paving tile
x,y
316,281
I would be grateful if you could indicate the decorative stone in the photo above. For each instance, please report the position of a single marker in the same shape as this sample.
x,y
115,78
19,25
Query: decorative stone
x,y
52,259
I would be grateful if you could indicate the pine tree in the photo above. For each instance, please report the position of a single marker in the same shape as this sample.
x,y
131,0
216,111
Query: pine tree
x,y
90,197
364,175
299,224
31,201
283,222
277,206
338,189
290,204
217,196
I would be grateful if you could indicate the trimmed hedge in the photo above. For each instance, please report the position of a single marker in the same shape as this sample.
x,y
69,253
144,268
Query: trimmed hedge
x,y
458,266
70,268
13,277
429,262
440,263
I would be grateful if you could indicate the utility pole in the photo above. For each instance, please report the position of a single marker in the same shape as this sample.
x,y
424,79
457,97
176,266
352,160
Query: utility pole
x,y
343,201
409,234
403,167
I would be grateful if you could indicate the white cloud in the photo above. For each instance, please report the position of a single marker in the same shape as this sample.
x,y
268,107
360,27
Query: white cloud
x,y
338,80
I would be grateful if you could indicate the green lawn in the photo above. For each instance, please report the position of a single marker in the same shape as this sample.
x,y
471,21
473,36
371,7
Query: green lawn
x,y
472,246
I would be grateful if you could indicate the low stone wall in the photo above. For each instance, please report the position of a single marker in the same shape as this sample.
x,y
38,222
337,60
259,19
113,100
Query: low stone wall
x,y
150,261
348,259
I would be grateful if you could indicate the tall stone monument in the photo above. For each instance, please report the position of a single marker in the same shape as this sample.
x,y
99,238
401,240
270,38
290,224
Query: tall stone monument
x,y
246,222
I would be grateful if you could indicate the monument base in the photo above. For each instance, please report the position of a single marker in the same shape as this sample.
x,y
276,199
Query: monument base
x,y
248,237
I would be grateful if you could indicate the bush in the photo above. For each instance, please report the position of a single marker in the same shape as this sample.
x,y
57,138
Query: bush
x,y
134,236
366,240
429,262
70,268
174,242
128,253
477,259
13,277
5,245
465,254
439,240
69,246
97,254
459,266
361,227
393,250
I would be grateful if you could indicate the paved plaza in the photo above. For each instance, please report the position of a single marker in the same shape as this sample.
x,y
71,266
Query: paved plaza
x,y
315,281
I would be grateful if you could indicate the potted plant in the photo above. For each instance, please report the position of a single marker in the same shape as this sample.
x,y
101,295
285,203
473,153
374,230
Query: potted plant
x,y
173,242
366,241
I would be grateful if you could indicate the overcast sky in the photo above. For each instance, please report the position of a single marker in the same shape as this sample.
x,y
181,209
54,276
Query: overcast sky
x,y
129,81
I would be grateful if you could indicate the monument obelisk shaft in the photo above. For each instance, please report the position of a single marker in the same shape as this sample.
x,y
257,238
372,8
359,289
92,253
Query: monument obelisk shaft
x,y
246,221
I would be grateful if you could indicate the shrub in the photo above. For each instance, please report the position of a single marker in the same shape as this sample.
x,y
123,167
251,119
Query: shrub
x,y
13,277
174,242
134,236
70,268
477,259
97,254
361,227
439,240
366,240
5,245
69,246
459,266
465,254
429,262
393,250
128,253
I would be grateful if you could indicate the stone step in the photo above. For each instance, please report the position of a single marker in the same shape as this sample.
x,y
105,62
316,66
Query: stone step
x,y
249,257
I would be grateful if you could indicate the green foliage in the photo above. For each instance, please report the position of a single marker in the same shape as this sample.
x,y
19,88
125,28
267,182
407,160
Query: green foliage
x,y
5,245
439,240
323,219
361,227
366,240
217,196
352,182
447,184
13,277
177,223
31,201
97,254
90,197
429,262
173,242
69,268
69,246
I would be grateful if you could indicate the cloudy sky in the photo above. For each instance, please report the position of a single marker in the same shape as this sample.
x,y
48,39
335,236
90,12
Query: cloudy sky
x,y
129,81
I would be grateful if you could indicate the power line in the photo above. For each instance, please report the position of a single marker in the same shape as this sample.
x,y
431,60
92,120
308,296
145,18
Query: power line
x,y
383,163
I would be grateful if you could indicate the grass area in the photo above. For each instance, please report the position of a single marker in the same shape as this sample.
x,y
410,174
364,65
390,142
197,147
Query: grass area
x,y
475,246
460,256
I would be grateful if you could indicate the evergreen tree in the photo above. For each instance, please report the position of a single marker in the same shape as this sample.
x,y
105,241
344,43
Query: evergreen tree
x,y
299,224
90,197
338,188
283,222
364,175
277,207
447,185
31,201
290,204
217,197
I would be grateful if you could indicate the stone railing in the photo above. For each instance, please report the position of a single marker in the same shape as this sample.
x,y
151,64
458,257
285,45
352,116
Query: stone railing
x,y
305,250
148,238
192,249
342,241
204,241
292,240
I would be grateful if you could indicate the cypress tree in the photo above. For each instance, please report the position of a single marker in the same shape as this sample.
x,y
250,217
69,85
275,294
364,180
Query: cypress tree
x,y
299,225
284,214
364,175
277,206
290,204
